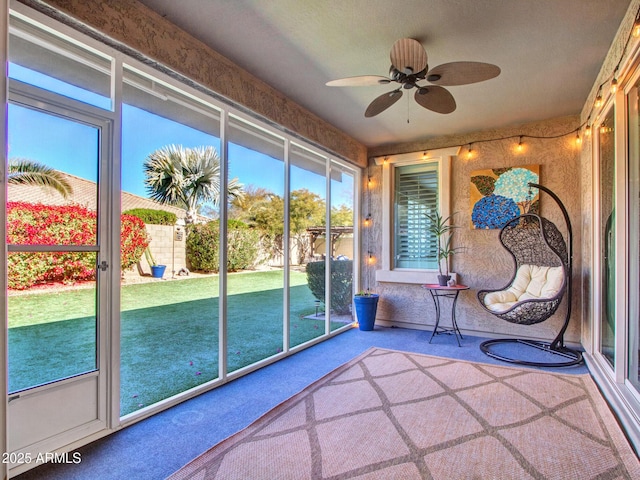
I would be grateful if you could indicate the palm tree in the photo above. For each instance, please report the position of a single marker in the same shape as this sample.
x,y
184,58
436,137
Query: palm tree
x,y
186,177
28,172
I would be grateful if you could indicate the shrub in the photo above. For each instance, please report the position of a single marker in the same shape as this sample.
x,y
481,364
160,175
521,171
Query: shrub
x,y
133,240
153,217
37,224
203,245
341,283
243,244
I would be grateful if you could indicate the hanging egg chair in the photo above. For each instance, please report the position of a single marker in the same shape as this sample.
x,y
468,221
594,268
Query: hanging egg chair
x,y
540,280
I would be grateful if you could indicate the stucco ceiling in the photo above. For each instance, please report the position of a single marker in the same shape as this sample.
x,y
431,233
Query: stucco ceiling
x,y
549,51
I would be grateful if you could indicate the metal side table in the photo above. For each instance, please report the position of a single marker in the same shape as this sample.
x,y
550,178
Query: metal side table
x,y
438,291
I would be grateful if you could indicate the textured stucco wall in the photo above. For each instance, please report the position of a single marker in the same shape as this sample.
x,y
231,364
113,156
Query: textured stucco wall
x,y
136,30
484,262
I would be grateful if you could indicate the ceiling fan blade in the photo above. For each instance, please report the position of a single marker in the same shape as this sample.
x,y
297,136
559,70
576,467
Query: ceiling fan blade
x,y
360,81
381,103
408,56
436,99
462,73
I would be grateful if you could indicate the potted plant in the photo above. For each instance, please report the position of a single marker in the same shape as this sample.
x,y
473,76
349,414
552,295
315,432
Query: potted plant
x,y
442,229
366,304
157,271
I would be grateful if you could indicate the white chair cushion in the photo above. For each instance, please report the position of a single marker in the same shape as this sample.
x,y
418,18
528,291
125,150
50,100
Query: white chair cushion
x,y
531,282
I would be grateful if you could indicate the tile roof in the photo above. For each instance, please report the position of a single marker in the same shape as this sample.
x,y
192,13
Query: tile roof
x,y
84,193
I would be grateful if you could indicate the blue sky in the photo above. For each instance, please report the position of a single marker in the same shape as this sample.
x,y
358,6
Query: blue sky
x,y
71,147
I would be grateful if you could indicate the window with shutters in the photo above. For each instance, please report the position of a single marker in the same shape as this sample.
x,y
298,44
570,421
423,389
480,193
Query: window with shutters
x,y
416,194
413,184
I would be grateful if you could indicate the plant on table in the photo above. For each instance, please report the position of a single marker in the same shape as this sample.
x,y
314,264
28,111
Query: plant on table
x,y
442,229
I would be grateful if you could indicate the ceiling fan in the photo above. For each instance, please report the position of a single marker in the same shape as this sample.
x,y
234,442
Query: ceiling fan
x,y
408,68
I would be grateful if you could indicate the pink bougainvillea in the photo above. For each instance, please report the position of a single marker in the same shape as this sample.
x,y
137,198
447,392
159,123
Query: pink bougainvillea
x,y
38,224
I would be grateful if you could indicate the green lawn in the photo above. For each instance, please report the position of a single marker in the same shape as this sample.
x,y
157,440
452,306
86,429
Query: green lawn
x,y
169,332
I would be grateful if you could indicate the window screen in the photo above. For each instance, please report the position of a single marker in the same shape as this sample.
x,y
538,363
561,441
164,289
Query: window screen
x,y
416,194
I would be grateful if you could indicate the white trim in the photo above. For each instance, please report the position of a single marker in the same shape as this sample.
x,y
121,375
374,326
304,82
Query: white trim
x,y
622,268
286,253
112,351
619,398
418,156
4,41
327,248
222,277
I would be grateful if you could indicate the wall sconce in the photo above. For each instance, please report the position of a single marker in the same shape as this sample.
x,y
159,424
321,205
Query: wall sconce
x,y
371,259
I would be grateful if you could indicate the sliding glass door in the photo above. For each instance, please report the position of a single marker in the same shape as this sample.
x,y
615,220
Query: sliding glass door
x,y
633,108
607,237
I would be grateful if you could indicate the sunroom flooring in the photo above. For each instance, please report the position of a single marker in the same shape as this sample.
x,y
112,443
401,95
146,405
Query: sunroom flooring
x,y
157,446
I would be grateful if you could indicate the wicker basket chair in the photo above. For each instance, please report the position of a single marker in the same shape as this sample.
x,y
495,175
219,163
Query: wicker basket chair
x,y
538,248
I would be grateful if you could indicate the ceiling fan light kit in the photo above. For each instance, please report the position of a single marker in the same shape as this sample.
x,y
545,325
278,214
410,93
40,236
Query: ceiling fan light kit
x,y
409,67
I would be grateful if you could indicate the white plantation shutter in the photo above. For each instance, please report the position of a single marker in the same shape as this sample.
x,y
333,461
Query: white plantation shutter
x,y
416,193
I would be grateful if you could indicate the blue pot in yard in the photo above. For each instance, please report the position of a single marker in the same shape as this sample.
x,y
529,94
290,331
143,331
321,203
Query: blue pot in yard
x,y
366,307
157,271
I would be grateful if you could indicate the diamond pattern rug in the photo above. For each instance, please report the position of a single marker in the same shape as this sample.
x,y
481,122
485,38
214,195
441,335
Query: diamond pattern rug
x,y
397,415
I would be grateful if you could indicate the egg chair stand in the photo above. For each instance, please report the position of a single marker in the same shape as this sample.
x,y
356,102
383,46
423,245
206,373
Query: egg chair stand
x,y
536,245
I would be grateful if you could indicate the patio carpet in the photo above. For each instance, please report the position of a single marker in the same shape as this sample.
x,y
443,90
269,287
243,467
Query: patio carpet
x,y
397,415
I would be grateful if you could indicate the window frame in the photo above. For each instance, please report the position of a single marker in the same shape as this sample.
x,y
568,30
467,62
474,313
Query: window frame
x,y
442,158
414,247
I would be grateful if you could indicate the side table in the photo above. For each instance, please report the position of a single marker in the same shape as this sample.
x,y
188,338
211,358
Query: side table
x,y
438,291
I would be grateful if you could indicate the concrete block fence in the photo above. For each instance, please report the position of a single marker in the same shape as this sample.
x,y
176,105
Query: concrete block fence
x,y
168,247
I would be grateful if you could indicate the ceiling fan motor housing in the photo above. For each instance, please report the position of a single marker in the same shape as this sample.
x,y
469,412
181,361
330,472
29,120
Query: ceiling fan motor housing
x,y
407,80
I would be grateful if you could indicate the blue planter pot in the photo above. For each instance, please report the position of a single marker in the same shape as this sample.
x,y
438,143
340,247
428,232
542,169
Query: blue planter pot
x,y
366,308
157,271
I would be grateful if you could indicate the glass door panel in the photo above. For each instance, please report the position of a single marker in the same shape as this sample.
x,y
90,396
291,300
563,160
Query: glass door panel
x,y
341,245
169,298
307,245
633,99
52,225
607,237
255,235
